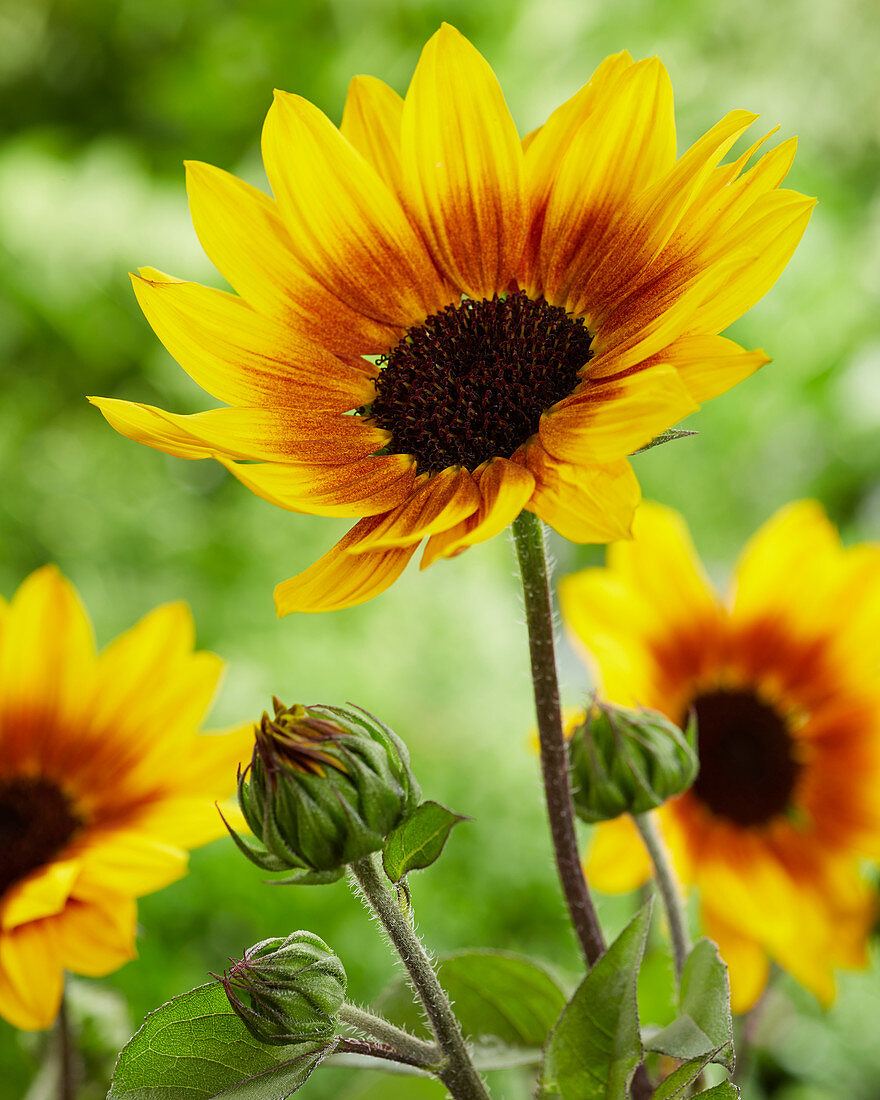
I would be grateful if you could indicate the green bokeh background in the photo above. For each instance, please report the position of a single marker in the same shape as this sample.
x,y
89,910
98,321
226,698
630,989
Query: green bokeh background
x,y
102,100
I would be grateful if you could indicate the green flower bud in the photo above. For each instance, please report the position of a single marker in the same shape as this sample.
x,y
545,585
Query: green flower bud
x,y
325,787
288,989
628,761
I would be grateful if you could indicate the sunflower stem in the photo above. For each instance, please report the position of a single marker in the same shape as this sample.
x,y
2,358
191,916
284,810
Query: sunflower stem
x,y
667,884
528,537
66,1053
415,1050
458,1073
367,1048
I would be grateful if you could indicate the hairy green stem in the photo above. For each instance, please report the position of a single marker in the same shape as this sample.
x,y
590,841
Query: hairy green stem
x,y
416,1050
457,1073
668,887
528,537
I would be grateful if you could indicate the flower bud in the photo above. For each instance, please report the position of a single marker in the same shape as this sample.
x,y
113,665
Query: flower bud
x,y
288,989
628,761
325,787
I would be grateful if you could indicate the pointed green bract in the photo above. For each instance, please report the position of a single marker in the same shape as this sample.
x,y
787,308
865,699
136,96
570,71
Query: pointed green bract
x,y
705,997
595,1047
677,1085
419,840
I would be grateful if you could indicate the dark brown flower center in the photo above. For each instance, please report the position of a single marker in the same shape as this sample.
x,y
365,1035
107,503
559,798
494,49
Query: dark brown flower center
x,y
36,821
472,382
747,766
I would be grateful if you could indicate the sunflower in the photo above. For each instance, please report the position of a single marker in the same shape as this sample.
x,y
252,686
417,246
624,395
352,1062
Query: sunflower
x,y
104,784
784,680
438,324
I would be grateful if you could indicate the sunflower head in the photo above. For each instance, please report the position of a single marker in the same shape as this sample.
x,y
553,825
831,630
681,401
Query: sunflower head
x,y
105,784
287,989
628,761
326,786
781,673
438,323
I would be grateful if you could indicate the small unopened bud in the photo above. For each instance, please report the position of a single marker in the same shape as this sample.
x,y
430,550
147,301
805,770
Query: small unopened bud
x,y
325,787
628,761
288,989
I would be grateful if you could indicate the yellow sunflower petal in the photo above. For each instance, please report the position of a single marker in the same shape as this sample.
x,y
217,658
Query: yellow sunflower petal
x,y
135,665
46,668
624,145
259,434
617,861
583,503
763,901
31,976
192,822
855,636
548,145
127,862
371,122
440,502
760,245
346,226
607,624
41,894
730,193
789,567
747,962
343,577
94,938
153,693
624,267
364,487
208,765
661,563
142,748
505,489
242,232
242,357
609,419
711,365
463,166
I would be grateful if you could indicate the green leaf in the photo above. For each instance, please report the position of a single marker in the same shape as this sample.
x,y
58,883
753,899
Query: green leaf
x,y
683,1039
195,1047
665,437
418,842
724,1091
595,1047
499,997
705,997
679,1081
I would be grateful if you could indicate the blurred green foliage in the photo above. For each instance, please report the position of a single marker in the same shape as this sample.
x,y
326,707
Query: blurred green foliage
x,y
101,101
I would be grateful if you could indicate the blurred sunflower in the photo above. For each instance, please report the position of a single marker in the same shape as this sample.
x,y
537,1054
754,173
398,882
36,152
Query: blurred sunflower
x,y
104,784
536,309
784,679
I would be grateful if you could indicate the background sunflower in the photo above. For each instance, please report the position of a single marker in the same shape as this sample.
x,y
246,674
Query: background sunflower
x,y
104,101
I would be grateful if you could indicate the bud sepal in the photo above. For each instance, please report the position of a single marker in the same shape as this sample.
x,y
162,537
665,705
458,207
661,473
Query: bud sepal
x,y
628,761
